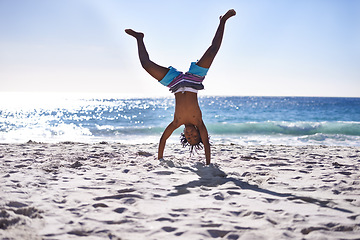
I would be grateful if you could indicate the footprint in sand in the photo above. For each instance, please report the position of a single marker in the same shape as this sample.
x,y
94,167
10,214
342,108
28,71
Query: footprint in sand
x,y
217,233
233,237
120,210
6,220
219,196
20,166
233,192
168,229
126,190
145,154
14,214
80,233
30,212
163,219
102,205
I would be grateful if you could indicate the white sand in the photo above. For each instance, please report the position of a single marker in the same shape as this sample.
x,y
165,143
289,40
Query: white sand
x,y
114,191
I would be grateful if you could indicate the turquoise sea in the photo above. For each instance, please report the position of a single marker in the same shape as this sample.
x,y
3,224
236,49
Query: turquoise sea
x,y
240,120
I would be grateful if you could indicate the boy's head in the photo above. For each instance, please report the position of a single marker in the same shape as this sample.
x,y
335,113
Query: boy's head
x,y
191,137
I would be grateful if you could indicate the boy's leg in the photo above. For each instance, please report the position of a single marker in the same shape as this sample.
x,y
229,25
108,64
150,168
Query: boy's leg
x,y
208,57
156,71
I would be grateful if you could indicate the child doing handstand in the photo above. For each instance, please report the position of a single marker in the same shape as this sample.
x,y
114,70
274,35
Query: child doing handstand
x,y
185,87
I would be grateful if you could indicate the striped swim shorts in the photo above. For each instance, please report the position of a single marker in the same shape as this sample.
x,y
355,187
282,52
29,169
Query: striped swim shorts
x,y
176,80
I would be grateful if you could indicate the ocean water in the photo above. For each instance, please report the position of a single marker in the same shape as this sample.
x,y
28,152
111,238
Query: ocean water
x,y
240,120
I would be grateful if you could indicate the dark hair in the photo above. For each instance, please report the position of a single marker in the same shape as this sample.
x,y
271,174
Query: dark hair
x,y
185,143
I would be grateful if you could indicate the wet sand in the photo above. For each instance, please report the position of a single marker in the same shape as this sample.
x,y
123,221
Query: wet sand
x,y
117,191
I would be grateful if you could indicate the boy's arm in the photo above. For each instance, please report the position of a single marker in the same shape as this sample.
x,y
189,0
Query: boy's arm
x,y
205,139
166,134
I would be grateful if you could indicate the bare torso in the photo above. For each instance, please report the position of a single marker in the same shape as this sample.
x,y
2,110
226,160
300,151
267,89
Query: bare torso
x,y
187,110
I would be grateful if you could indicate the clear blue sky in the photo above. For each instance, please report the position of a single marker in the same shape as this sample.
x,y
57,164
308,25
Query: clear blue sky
x,y
271,48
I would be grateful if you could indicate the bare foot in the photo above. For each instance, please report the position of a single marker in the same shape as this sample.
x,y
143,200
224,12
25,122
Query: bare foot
x,y
228,15
134,34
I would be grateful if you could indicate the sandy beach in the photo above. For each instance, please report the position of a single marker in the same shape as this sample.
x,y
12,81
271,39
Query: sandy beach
x,y
118,191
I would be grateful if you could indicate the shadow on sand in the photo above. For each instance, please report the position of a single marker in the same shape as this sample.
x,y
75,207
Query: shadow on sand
x,y
213,176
